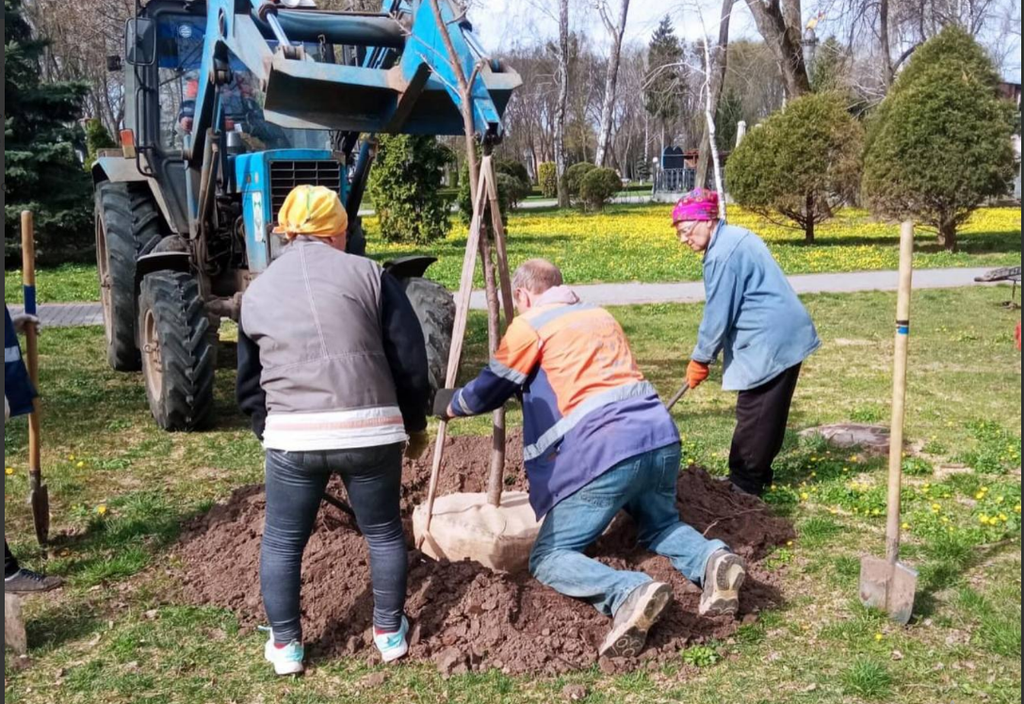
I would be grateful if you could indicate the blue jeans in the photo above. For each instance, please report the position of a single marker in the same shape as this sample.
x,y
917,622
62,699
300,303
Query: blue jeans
x,y
643,486
296,482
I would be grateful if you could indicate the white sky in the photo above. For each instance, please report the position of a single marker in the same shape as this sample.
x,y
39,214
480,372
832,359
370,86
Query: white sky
x,y
502,24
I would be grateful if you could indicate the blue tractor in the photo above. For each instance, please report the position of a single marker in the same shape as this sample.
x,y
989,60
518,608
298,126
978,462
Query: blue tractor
x,y
230,105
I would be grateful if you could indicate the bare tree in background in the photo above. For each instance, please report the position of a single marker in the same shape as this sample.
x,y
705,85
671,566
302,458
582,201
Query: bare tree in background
x,y
616,30
780,22
563,100
82,33
717,70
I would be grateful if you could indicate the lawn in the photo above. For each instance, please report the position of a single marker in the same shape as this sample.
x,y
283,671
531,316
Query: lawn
x,y
635,243
120,632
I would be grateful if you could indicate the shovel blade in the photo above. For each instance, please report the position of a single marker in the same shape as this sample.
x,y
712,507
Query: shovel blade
x,y
889,588
39,498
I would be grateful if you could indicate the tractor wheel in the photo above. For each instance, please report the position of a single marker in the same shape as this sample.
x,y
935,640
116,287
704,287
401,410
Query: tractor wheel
x,y
178,351
435,307
127,227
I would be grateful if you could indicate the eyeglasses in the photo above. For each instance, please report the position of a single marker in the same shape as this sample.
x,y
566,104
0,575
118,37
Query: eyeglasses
x,y
685,232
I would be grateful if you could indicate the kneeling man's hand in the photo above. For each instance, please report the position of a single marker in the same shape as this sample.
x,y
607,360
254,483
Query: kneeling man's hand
x,y
443,404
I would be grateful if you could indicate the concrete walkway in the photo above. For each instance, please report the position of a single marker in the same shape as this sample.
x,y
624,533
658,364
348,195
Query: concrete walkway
x,y
61,315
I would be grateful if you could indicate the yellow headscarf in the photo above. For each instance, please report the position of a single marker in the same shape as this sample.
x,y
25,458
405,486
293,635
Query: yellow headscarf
x,y
312,211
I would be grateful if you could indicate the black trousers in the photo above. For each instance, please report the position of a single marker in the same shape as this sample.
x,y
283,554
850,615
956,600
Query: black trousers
x,y
10,564
761,418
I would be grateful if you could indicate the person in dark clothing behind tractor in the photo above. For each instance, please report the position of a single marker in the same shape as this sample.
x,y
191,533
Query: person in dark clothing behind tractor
x,y
755,319
18,401
332,370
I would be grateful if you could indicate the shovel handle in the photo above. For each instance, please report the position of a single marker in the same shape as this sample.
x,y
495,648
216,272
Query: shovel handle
x,y
28,258
678,397
899,392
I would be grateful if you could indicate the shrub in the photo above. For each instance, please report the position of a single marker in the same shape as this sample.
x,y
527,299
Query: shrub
x,y
548,176
803,163
510,193
516,170
598,187
97,138
574,178
405,186
940,143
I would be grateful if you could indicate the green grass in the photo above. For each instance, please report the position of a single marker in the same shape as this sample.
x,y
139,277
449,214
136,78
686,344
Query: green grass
x,y
65,284
121,631
635,243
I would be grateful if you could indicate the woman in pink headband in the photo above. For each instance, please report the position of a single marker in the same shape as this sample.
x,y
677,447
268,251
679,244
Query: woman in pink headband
x,y
754,319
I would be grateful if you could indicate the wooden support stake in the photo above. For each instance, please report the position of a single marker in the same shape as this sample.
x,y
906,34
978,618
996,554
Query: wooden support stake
x,y
462,303
497,474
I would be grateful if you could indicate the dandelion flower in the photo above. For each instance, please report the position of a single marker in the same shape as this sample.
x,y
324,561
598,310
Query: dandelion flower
x,y
9,471
101,509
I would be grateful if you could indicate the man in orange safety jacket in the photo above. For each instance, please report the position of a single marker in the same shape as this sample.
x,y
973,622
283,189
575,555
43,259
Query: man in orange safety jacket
x,y
597,440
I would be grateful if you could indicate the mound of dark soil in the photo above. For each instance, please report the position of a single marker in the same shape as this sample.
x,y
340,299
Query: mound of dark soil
x,y
468,618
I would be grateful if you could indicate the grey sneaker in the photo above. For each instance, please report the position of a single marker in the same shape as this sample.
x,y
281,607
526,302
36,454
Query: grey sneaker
x,y
28,582
722,583
634,620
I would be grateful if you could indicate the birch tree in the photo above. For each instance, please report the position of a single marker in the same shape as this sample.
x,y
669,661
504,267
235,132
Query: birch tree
x,y
616,30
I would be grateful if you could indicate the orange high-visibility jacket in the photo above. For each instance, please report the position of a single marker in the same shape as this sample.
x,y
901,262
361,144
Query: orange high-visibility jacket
x,y
586,404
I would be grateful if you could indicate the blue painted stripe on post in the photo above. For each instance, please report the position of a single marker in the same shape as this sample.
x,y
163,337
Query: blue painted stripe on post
x,y
30,300
903,330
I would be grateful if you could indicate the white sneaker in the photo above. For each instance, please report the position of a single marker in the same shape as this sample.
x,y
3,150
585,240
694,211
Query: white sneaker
x,y
722,583
393,646
289,660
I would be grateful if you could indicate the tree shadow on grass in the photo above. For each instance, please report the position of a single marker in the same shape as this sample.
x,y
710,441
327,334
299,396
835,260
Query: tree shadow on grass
x,y
59,626
1007,242
950,562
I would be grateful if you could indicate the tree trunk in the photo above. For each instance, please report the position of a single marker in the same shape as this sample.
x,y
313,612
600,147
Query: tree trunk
x,y
809,226
885,45
784,41
717,83
563,101
611,81
948,236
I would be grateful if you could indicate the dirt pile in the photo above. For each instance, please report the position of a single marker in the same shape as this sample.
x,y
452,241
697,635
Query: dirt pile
x,y
466,617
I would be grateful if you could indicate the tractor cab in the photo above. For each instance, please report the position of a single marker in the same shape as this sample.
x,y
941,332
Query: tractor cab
x,y
230,104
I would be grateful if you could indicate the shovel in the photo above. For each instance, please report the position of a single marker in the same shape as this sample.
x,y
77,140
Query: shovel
x,y
678,397
39,494
889,585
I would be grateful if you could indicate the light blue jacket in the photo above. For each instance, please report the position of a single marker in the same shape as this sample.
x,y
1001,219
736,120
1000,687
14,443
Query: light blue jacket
x,y
753,315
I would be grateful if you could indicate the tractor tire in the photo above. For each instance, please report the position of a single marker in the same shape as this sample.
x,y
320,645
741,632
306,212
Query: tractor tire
x,y
179,351
435,308
127,227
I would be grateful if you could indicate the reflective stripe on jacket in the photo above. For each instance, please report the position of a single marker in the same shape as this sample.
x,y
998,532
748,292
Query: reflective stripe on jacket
x,y
17,386
586,405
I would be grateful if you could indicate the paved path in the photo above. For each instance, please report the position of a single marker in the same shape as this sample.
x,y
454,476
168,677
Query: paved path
x,y
67,315
60,315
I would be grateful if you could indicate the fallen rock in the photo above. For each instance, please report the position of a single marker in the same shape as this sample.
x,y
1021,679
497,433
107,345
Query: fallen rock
x,y
575,693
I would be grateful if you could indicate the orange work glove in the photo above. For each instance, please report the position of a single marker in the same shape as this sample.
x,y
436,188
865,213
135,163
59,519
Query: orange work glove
x,y
697,373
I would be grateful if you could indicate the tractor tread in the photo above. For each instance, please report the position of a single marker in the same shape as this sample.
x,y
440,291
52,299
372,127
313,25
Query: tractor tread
x,y
132,228
435,308
188,350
